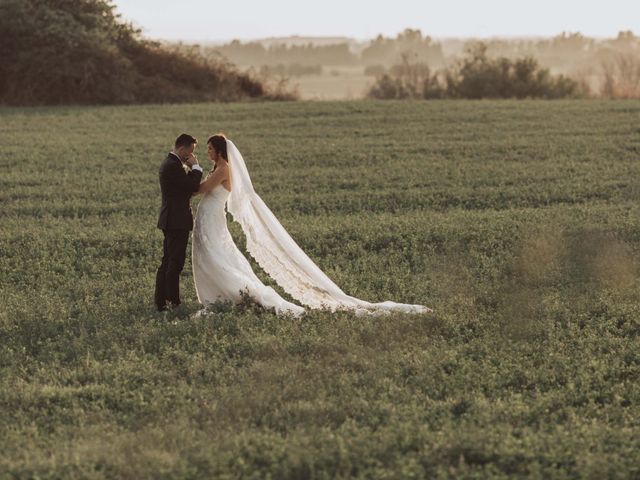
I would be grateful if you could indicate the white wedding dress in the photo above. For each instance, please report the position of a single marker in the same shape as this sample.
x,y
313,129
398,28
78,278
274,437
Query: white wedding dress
x,y
221,271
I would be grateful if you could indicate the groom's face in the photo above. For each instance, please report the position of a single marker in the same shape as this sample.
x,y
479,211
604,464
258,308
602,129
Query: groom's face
x,y
185,152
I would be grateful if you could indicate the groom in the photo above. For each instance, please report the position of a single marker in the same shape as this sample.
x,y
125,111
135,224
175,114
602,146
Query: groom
x,y
180,176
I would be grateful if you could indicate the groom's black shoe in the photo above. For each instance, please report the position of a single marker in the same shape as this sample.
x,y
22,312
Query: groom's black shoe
x,y
162,307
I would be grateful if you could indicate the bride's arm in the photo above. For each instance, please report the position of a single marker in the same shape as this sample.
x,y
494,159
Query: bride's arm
x,y
221,173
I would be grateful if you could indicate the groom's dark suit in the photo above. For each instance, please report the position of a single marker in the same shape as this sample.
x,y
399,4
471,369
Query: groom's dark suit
x,y
175,221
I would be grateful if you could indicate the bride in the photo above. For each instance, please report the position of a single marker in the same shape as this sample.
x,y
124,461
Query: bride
x,y
221,271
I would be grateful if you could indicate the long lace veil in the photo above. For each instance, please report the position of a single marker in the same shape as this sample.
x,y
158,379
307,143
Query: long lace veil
x,y
281,257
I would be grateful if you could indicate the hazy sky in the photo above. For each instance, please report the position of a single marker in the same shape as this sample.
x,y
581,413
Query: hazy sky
x,y
198,20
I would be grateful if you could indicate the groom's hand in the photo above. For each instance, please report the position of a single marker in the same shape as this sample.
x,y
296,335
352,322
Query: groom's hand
x,y
192,160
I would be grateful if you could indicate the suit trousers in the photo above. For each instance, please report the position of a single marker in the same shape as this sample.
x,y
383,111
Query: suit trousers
x,y
174,251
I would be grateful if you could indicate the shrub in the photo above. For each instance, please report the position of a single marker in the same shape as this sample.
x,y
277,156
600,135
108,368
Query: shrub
x,y
81,52
478,76
409,79
475,76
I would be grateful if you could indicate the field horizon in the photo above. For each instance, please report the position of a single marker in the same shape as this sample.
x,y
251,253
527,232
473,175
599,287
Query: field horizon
x,y
518,222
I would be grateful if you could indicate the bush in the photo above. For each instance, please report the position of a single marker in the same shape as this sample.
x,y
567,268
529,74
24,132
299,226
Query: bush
x,y
478,76
475,76
80,52
409,79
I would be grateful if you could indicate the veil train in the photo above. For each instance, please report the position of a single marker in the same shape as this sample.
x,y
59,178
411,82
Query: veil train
x,y
281,257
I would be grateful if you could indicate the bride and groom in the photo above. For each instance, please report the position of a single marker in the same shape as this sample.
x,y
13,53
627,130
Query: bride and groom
x,y
220,270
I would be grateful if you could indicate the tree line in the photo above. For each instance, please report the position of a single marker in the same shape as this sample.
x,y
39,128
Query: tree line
x,y
381,50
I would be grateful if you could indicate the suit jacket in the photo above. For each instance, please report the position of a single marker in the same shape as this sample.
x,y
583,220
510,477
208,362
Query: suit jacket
x,y
177,186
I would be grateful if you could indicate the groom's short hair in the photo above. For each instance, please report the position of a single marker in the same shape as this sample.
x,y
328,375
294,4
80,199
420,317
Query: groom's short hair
x,y
185,140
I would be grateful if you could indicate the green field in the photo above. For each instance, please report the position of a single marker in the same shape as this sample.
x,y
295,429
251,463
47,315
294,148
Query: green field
x,y
518,222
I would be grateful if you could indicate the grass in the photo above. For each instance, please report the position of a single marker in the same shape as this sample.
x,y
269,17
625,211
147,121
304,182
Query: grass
x,y
518,222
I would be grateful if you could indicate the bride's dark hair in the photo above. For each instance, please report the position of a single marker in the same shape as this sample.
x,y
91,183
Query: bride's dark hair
x,y
219,143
